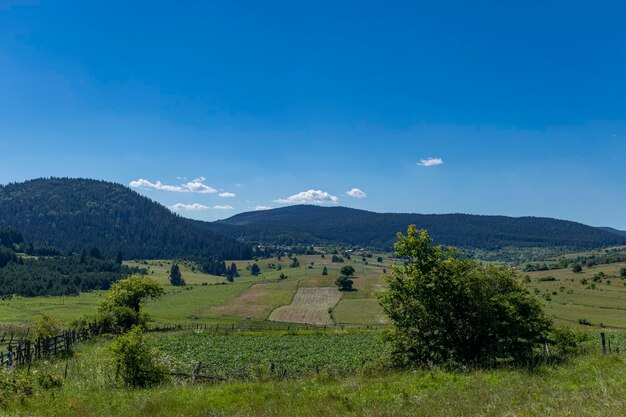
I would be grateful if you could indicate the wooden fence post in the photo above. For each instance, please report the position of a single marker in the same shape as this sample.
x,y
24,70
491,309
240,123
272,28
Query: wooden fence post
x,y
603,339
196,371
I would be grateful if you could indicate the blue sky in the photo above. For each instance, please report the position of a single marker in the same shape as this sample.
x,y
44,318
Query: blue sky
x,y
521,105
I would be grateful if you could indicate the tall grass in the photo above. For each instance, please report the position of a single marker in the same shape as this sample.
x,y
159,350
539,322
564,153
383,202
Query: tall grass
x,y
587,385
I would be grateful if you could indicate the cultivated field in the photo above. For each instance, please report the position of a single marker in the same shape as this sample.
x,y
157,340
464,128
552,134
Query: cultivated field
x,y
296,355
309,305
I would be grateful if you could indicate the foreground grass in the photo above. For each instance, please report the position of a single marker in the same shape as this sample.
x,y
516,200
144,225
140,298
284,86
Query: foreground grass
x,y
589,385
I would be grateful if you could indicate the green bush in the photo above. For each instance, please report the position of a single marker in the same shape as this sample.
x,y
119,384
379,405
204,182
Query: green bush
x,y
136,359
17,385
565,341
347,270
546,279
121,309
47,326
446,310
344,283
337,259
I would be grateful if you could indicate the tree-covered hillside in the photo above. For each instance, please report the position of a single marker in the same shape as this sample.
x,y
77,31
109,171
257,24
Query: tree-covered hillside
x,y
263,233
612,230
58,274
72,214
358,227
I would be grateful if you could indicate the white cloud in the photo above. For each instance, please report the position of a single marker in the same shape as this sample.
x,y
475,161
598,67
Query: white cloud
x,y
141,183
188,207
430,162
194,186
223,207
262,208
197,186
310,197
356,193
227,195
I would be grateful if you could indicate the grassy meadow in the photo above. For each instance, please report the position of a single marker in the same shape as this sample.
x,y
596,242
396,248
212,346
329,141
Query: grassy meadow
x,y
321,373
586,385
208,299
212,300
568,299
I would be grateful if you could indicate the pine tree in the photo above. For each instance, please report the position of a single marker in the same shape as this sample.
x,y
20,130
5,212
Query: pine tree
x,y
176,277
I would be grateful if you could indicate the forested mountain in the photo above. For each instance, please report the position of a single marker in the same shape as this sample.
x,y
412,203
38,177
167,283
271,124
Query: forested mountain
x,y
612,230
72,214
359,227
263,233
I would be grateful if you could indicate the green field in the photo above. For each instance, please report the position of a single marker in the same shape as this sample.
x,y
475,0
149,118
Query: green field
x,y
209,299
570,300
240,355
323,373
587,385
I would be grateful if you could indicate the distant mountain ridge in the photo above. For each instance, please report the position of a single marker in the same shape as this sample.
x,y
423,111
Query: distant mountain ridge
x,y
359,227
72,214
612,230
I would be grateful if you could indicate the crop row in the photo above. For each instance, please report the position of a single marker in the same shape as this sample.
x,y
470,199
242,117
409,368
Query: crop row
x,y
245,355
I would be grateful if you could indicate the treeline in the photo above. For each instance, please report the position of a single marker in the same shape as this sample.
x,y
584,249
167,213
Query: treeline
x,y
581,260
214,267
56,274
262,234
219,268
345,226
6,256
10,237
71,214
269,251
60,275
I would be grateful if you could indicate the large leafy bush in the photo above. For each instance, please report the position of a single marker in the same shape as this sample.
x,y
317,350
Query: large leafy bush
x,y
446,310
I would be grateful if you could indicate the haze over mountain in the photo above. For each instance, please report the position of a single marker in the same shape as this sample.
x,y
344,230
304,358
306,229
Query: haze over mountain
x,y
359,227
73,214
